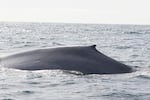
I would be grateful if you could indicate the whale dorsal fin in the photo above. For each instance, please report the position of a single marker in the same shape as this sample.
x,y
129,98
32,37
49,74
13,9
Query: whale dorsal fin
x,y
93,46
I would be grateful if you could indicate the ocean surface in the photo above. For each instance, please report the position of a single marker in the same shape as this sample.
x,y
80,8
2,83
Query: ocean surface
x,y
129,44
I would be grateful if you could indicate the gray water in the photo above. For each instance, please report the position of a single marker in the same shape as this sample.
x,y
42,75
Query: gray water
x,y
129,44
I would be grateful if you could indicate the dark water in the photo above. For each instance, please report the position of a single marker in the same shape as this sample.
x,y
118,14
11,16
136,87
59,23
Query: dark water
x,y
129,44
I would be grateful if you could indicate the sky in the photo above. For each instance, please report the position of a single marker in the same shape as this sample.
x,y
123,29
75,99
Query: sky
x,y
76,11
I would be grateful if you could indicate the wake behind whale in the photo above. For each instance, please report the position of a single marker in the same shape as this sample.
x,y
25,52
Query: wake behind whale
x,y
85,59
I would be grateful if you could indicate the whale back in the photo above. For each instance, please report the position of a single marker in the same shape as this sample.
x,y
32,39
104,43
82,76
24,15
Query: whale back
x,y
86,59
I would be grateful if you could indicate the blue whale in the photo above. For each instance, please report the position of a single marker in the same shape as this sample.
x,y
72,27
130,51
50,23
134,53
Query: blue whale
x,y
85,59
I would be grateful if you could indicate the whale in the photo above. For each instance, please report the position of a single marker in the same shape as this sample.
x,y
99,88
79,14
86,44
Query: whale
x,y
84,59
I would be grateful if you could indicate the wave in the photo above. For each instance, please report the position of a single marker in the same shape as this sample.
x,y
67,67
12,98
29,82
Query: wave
x,y
135,32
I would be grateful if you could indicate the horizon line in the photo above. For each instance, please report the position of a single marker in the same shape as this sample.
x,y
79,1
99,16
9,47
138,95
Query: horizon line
x,y
48,22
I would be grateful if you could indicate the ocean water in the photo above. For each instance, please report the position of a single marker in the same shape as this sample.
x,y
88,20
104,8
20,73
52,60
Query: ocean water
x,y
129,44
